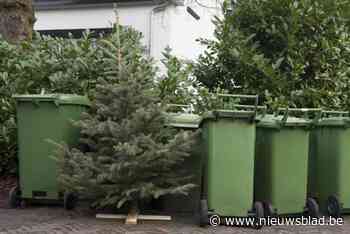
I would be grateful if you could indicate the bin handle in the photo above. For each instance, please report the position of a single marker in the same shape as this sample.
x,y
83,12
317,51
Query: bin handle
x,y
36,102
255,97
305,111
263,110
168,106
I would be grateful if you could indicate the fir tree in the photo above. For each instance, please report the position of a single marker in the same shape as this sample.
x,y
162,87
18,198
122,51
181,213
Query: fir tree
x,y
127,153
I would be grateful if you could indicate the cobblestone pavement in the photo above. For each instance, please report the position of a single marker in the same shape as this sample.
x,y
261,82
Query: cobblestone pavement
x,y
6,183
55,220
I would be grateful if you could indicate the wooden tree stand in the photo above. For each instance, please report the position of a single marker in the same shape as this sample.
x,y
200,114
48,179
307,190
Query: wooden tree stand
x,y
133,216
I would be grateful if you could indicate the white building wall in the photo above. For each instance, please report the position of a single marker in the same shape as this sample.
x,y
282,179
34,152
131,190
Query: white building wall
x,y
74,18
185,29
171,26
87,18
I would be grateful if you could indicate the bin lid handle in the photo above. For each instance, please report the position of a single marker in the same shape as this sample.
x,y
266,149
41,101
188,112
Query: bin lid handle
x,y
304,111
242,96
180,106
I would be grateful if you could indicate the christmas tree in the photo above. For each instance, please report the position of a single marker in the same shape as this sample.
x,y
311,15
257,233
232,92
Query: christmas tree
x,y
127,154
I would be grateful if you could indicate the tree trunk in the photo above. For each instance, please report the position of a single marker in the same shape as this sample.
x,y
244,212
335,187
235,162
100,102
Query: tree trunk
x,y
16,20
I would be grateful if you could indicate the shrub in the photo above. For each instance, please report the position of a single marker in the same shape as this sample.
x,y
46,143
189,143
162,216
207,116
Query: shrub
x,y
289,52
179,86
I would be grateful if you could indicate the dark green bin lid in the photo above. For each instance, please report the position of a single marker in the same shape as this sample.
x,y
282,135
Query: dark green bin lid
x,y
65,99
183,120
273,121
334,121
334,118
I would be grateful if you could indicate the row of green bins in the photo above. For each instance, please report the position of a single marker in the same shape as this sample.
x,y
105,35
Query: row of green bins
x,y
330,163
40,118
179,117
281,165
278,168
228,137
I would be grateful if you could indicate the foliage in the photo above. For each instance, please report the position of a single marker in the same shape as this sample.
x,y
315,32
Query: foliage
x,y
55,65
129,155
289,52
175,85
179,86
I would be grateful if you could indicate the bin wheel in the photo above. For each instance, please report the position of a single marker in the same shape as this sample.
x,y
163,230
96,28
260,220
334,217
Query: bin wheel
x,y
70,200
333,206
203,213
268,209
259,213
312,208
14,197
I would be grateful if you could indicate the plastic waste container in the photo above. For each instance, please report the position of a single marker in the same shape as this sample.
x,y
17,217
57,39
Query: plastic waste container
x,y
229,147
40,118
281,163
330,163
181,119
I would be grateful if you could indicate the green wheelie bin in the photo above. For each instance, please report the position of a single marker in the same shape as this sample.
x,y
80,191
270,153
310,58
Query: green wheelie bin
x,y
281,163
330,163
228,137
183,120
41,118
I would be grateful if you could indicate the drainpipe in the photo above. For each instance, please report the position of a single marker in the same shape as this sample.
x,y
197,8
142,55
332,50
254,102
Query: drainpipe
x,y
161,6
